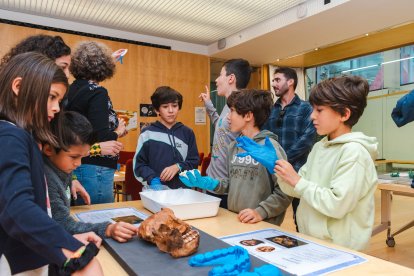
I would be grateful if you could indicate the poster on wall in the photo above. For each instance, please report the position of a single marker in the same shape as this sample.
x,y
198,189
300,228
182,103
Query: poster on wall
x,y
147,110
200,115
130,118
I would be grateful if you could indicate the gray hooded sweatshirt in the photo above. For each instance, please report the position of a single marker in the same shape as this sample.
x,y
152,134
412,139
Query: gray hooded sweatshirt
x,y
251,186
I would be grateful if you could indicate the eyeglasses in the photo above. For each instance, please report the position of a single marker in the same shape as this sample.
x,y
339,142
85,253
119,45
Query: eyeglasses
x,y
279,121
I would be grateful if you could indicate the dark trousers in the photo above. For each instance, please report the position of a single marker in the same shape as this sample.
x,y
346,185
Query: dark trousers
x,y
295,204
223,202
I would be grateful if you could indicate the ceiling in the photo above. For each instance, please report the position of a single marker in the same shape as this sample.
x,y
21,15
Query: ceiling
x,y
196,21
261,31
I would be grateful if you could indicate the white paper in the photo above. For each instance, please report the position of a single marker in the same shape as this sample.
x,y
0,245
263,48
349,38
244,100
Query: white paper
x,y
293,254
130,215
200,115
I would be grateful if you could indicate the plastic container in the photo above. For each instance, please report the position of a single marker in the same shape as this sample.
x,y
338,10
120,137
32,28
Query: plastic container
x,y
186,203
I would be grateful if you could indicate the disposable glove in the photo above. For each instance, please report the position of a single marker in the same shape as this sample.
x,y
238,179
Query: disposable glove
x,y
194,179
227,261
264,270
264,154
156,184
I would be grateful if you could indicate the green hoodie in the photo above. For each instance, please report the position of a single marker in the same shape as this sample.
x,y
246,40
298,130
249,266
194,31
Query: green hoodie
x,y
336,189
250,185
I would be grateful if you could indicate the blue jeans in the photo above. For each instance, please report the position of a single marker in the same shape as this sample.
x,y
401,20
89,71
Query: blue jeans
x,y
98,182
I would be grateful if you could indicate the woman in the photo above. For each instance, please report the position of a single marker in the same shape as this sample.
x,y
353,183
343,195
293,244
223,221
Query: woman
x,y
93,63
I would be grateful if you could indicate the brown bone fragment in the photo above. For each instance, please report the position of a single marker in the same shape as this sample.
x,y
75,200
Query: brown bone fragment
x,y
170,234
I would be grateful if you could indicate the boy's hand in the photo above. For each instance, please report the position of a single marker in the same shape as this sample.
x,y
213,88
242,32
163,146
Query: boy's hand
x,y
156,184
110,147
204,97
285,171
169,172
121,231
249,216
76,189
264,154
198,181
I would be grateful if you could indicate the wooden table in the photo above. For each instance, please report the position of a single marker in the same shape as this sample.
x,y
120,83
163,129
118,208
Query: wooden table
x,y
119,176
226,223
387,190
388,163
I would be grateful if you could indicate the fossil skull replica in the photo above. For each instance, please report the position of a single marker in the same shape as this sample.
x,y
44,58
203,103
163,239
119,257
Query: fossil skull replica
x,y
170,234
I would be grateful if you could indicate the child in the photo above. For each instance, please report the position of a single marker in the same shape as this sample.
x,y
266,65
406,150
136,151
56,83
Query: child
x,y
234,75
75,136
253,192
337,184
166,147
31,87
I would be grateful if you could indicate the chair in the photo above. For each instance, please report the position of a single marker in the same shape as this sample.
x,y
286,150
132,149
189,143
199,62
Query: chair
x,y
204,165
201,155
132,185
124,156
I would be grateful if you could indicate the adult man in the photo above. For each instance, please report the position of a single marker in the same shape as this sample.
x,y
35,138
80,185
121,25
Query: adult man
x,y
290,121
234,75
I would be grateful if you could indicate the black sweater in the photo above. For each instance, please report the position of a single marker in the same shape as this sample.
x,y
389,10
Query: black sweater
x,y
93,102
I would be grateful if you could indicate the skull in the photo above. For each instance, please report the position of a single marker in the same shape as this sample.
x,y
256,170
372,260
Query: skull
x,y
170,234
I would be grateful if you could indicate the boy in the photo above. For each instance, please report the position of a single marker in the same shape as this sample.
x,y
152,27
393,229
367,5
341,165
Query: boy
x,y
165,147
253,193
234,75
337,184
74,134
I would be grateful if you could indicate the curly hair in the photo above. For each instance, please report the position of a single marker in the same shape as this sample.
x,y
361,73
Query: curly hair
x,y
92,61
51,46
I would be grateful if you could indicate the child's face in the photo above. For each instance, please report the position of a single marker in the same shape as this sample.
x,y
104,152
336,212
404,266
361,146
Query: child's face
x,y
222,82
168,113
56,94
67,161
236,121
329,122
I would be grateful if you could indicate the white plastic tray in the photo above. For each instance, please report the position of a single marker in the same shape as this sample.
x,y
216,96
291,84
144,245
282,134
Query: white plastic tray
x,y
186,203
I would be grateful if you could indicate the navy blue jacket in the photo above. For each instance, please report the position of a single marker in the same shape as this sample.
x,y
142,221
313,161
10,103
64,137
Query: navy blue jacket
x,y
403,112
159,147
29,238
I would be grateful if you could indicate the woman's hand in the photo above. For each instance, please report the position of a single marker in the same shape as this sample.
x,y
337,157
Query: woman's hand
x,y
110,147
121,129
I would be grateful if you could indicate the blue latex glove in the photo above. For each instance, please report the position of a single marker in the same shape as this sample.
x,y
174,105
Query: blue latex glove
x,y
264,270
156,184
264,154
229,261
198,181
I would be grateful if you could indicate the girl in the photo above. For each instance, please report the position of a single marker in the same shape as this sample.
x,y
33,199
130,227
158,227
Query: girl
x,y
31,88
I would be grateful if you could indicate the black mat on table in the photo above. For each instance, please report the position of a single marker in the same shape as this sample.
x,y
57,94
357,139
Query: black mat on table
x,y
142,258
